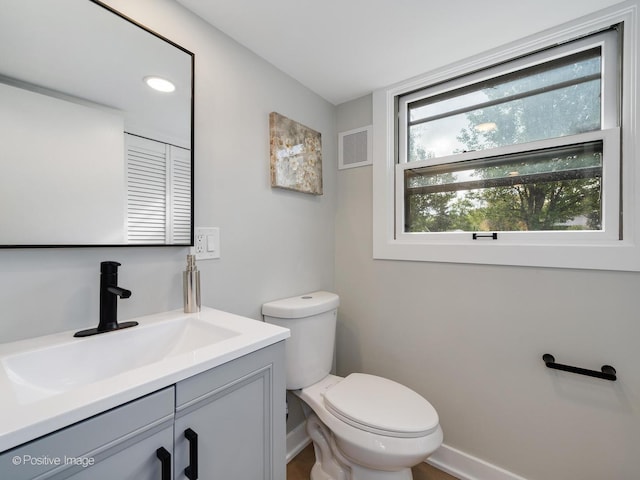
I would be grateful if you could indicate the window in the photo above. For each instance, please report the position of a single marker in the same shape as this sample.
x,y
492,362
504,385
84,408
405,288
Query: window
x,y
507,149
521,157
551,189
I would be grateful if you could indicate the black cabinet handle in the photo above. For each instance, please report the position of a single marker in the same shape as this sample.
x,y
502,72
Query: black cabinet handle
x,y
192,470
165,463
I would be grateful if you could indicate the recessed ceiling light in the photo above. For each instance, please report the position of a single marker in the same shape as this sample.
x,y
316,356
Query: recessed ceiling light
x,y
160,84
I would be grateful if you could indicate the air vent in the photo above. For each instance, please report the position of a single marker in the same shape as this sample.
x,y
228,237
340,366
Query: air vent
x,y
355,148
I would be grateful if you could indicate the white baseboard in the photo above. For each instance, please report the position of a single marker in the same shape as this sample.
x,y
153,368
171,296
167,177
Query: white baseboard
x,y
467,467
297,439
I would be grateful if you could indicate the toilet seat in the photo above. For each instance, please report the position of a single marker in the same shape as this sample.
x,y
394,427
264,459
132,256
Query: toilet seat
x,y
381,406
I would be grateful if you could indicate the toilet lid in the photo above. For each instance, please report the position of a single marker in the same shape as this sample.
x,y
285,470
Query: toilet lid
x,y
381,406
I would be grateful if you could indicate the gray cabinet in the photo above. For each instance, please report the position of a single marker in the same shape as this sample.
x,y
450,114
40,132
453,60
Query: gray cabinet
x,y
235,412
120,443
138,461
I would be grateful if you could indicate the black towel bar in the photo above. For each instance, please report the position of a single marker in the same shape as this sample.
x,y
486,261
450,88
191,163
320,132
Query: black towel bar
x,y
607,372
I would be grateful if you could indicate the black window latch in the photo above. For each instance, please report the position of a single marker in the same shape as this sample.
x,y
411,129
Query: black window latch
x,y
493,235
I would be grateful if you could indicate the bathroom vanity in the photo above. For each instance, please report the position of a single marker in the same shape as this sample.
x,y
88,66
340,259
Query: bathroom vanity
x,y
203,397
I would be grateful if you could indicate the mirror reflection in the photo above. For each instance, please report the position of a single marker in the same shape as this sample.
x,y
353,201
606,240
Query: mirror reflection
x,y
92,155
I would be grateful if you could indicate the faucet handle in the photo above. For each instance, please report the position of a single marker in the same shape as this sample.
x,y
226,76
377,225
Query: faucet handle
x,y
109,267
121,292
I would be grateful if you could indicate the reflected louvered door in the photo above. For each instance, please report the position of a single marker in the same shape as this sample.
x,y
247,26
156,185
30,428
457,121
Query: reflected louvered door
x,y
158,192
146,190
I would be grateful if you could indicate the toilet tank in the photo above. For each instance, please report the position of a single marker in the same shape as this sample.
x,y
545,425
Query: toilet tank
x,y
311,318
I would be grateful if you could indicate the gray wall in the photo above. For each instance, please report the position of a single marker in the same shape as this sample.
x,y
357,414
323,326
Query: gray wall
x,y
274,243
470,339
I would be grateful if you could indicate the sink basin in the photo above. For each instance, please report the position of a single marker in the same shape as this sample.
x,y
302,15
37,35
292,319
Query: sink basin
x,y
47,371
53,381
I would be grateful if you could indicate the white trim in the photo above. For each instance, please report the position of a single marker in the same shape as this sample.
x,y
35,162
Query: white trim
x,y
623,255
467,467
297,440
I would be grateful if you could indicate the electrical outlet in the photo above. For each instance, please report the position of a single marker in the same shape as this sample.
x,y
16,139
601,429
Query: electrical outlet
x,y
207,243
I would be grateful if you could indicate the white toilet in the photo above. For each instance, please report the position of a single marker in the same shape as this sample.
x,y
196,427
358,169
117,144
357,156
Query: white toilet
x,y
363,427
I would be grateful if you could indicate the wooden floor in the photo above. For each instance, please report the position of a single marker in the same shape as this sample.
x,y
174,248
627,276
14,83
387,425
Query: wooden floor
x,y
300,467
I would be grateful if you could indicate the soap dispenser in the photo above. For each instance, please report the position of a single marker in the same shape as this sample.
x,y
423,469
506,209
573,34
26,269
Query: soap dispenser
x,y
191,286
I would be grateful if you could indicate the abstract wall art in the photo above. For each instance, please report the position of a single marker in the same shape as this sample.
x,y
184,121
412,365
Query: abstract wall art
x,y
296,155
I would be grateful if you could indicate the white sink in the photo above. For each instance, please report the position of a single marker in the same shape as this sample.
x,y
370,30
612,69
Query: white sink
x,y
53,381
50,370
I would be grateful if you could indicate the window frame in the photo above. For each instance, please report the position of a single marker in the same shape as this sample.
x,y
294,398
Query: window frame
x,y
610,252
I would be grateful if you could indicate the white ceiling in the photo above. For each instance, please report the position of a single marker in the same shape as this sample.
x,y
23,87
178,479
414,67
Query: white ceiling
x,y
344,49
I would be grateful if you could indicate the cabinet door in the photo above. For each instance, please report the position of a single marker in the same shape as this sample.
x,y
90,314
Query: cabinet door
x,y
237,411
136,462
118,444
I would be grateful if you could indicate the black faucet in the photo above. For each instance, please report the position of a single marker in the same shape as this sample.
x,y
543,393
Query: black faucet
x,y
109,293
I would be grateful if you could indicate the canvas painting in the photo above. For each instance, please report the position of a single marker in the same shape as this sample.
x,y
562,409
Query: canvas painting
x,y
296,155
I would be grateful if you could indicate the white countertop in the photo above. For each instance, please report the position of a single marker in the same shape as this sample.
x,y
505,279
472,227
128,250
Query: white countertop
x,y
26,417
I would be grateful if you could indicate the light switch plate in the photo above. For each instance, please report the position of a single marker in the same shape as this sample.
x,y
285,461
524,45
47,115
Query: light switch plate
x,y
207,243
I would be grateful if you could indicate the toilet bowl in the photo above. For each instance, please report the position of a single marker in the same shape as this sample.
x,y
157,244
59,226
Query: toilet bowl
x,y
363,427
377,424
